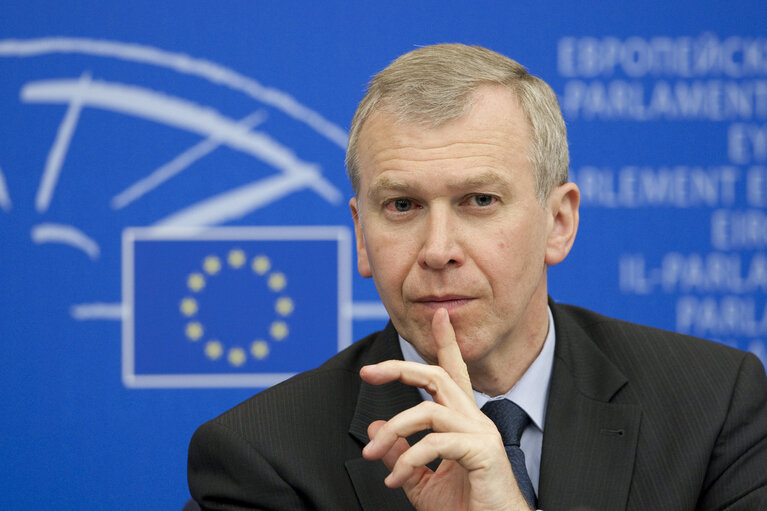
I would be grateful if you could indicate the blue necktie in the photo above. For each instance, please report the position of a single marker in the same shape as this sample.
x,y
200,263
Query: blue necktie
x,y
511,420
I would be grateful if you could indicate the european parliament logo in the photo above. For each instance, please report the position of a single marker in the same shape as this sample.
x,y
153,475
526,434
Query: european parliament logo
x,y
233,306
188,143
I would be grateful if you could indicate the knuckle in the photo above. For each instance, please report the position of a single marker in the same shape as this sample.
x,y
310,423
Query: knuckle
x,y
431,440
428,406
438,376
440,372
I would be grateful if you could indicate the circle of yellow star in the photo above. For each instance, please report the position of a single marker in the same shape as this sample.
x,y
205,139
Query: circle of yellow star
x,y
276,281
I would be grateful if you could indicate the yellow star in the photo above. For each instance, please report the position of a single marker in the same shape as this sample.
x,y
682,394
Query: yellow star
x,y
213,350
279,330
194,330
259,349
188,307
236,258
277,281
261,264
211,265
195,282
284,306
236,356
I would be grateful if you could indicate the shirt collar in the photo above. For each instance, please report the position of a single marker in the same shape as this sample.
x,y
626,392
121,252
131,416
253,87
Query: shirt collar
x,y
531,391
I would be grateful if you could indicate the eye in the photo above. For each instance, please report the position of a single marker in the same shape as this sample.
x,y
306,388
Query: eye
x,y
402,205
483,200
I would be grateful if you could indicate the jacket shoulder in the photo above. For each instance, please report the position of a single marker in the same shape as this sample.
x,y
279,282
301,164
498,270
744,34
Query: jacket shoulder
x,y
662,366
611,335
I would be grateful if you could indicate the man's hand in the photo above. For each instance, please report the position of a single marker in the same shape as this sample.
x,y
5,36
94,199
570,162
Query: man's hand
x,y
475,473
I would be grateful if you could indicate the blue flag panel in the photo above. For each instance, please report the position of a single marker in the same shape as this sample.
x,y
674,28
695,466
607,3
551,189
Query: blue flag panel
x,y
233,306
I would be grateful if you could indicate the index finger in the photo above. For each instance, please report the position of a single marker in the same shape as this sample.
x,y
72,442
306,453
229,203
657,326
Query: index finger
x,y
449,355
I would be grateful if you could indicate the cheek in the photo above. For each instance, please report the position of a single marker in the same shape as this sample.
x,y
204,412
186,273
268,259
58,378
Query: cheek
x,y
511,254
389,261
379,250
501,246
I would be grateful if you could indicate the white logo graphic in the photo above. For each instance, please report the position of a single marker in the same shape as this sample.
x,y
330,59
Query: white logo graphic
x,y
85,92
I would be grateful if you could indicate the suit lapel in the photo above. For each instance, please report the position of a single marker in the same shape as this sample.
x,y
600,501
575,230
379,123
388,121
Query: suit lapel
x,y
589,443
373,403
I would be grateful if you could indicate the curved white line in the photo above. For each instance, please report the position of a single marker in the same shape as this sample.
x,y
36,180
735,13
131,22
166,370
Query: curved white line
x,y
67,235
182,114
236,203
5,197
177,165
180,63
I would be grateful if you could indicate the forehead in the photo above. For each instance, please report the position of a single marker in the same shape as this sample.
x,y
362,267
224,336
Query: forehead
x,y
493,136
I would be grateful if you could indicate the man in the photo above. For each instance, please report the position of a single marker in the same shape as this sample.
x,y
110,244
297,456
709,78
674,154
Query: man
x,y
458,159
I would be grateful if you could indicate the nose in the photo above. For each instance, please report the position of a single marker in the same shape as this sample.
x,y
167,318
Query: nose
x,y
441,244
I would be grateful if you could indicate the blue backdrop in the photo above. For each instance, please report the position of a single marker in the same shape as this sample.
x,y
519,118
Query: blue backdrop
x,y
124,123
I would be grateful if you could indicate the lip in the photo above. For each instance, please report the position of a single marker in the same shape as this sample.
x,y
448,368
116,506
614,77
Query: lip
x,y
449,302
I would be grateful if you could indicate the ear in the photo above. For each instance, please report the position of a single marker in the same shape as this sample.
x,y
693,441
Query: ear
x,y
363,263
562,205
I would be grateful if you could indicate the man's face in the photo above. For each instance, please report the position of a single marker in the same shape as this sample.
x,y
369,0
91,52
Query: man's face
x,y
448,217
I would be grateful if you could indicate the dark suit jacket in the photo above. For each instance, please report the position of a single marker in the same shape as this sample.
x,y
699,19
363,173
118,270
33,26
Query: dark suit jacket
x,y
637,419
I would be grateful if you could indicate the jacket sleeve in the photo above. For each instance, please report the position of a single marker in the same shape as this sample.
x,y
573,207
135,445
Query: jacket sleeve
x,y
736,478
226,472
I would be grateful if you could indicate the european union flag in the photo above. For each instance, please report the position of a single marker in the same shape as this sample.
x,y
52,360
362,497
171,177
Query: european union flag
x,y
236,306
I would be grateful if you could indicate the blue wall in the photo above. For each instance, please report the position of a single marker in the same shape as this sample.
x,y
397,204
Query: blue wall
x,y
117,340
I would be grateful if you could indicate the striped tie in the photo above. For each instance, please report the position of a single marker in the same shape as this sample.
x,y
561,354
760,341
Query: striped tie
x,y
511,420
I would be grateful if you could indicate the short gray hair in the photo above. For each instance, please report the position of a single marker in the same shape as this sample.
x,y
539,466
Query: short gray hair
x,y
435,84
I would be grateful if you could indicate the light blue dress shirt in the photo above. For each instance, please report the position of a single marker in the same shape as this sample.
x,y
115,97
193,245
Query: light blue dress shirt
x,y
530,393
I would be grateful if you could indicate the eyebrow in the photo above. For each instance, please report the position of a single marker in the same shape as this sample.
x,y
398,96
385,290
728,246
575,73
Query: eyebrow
x,y
486,178
386,183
